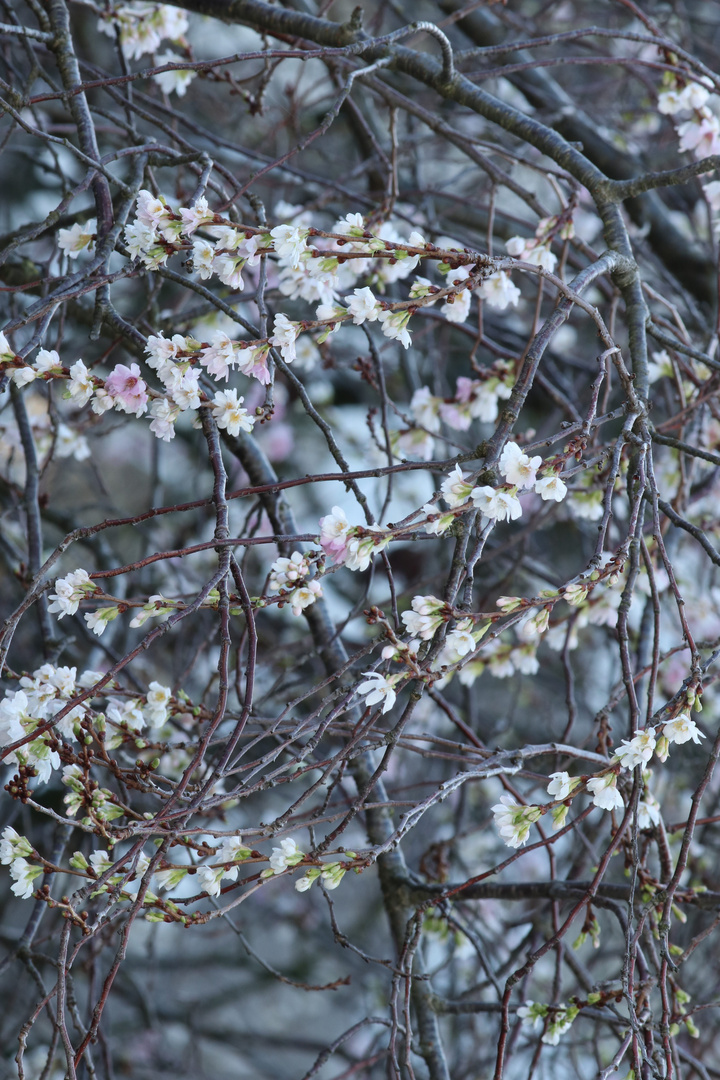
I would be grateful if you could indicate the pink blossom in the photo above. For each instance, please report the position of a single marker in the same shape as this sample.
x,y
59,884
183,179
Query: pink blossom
x,y
701,134
218,356
334,535
127,388
253,363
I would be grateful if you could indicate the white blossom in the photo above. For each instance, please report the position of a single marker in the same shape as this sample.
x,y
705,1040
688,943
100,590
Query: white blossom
x,y
437,522
457,644
648,812
412,443
455,489
305,882
284,572
513,820
290,244
561,785
532,251
559,1019
304,596
425,616
47,360
100,862
24,874
97,620
151,610
132,887
587,505
89,678
168,879
604,792
42,759
674,100
361,549
158,699
229,268
77,238
229,414
175,81
209,879
284,335
701,134
499,291
128,713
71,443
524,659
219,356
231,849
394,325
13,846
425,409
13,711
68,725
203,258
139,238
150,209
21,376
517,468
497,505
682,729
288,854
638,750
377,688
143,26
459,309
196,215
164,416
101,402
551,488
69,591
184,388
6,352
363,306
80,384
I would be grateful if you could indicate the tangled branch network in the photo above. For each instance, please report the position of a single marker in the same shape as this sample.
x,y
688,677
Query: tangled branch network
x,y
359,455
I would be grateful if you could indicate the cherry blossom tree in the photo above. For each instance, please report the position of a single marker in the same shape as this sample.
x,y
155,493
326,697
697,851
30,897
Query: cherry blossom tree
x,y
359,459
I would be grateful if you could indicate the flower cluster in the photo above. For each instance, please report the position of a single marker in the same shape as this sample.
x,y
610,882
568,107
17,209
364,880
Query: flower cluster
x,y
14,852
100,804
221,248
427,614
513,820
349,545
287,855
474,399
230,853
502,504
223,864
69,591
289,577
556,1019
700,133
44,694
142,27
536,250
